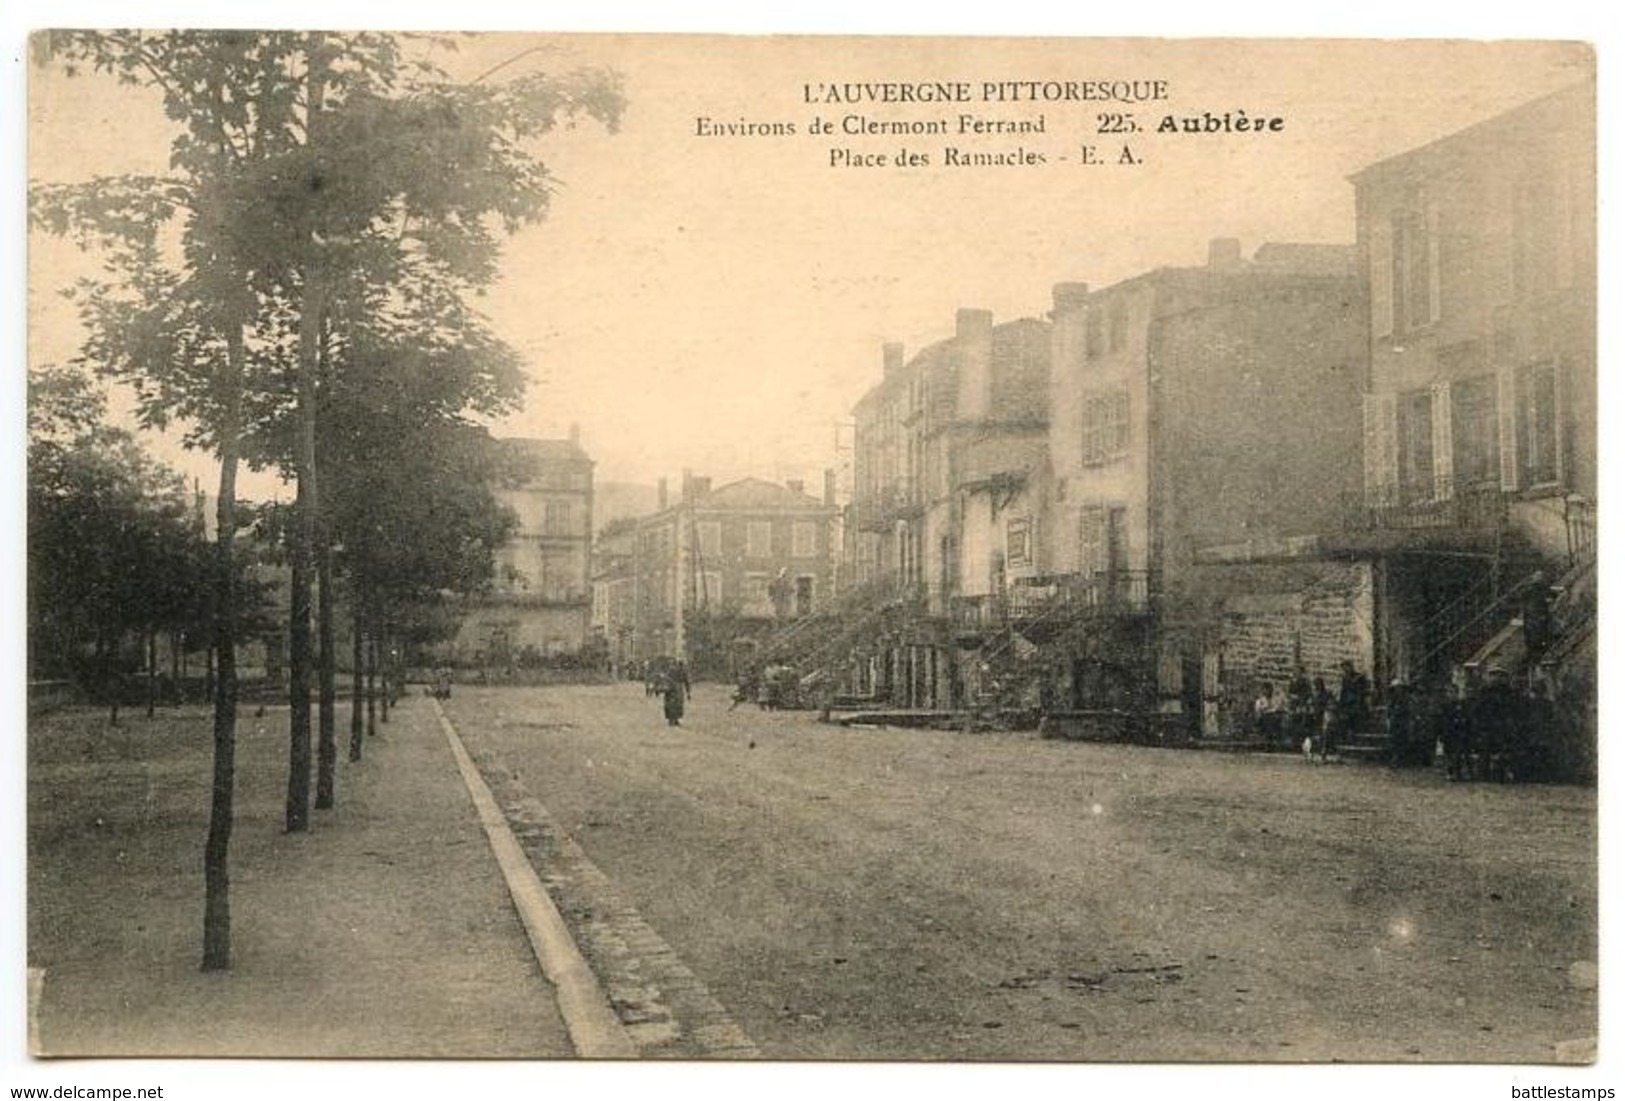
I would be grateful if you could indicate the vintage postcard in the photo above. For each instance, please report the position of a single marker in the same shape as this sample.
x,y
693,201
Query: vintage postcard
x,y
820,549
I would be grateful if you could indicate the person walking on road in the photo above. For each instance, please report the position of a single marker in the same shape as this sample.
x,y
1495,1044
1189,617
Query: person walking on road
x,y
673,697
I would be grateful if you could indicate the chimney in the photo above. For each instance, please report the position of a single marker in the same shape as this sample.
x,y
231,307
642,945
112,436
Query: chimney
x,y
575,433
829,488
660,500
892,356
702,486
1224,254
796,485
972,323
1069,297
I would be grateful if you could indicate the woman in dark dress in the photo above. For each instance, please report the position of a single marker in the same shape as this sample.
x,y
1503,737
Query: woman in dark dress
x,y
673,696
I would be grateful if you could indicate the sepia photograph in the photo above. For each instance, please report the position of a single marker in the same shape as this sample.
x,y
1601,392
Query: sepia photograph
x,y
599,548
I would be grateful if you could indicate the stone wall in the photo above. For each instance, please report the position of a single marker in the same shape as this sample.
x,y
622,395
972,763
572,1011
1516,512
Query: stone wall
x,y
1320,615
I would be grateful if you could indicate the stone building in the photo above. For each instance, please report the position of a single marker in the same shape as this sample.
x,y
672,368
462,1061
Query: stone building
x,y
1194,409
947,447
718,571
1480,477
540,601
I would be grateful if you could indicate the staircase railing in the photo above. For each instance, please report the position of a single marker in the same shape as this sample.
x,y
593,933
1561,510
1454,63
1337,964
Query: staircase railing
x,y
1470,620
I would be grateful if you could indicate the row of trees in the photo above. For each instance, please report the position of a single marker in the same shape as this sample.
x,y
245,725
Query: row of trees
x,y
295,294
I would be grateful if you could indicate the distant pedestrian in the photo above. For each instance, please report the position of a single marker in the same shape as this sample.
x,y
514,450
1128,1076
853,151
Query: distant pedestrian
x,y
1269,716
1351,710
1455,727
1407,745
673,697
1300,705
1320,712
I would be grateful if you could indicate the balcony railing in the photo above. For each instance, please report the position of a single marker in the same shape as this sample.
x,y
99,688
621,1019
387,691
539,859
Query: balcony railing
x,y
1580,517
1069,596
1441,503
878,510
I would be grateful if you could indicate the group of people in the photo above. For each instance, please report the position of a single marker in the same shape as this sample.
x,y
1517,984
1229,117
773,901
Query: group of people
x,y
1484,727
1491,729
1310,716
770,687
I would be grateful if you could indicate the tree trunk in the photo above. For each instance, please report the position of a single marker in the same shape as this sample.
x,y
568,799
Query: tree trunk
x,y
152,672
307,505
327,676
358,657
386,671
372,683
327,673
223,680
299,764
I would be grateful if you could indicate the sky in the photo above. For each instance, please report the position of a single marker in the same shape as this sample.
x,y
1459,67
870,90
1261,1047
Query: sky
x,y
718,303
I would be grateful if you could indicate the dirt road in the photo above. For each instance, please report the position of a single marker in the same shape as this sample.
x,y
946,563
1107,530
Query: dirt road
x,y
895,894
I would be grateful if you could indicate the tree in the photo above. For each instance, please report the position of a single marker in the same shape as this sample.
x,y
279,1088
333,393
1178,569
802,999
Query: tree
x,y
112,543
278,214
380,225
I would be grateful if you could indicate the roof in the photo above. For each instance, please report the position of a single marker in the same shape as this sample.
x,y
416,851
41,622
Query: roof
x,y
757,495
546,451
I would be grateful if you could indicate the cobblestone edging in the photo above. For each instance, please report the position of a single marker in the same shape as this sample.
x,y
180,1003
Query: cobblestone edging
x,y
665,1008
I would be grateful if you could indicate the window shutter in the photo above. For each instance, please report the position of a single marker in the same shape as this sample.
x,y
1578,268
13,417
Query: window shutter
x,y
1506,383
1560,420
1381,448
1434,225
1444,455
1382,279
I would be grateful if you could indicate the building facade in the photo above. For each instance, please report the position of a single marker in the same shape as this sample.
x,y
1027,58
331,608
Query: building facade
x,y
1194,409
1480,472
540,602
717,572
947,449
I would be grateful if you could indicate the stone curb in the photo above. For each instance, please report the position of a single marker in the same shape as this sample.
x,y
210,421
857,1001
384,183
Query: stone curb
x,y
595,1031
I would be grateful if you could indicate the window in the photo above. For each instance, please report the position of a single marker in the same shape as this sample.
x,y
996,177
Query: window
x,y
1117,325
1537,238
1094,334
710,539
1416,269
1091,540
556,518
1102,539
1476,442
709,594
758,595
1537,426
805,537
1018,549
759,539
1105,427
804,594
1416,446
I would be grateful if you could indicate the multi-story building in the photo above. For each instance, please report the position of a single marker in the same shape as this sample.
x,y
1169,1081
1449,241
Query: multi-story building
x,y
614,597
948,446
1480,471
1190,409
540,601
717,572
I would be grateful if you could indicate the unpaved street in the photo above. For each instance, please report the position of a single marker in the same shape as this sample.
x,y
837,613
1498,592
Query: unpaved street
x,y
896,894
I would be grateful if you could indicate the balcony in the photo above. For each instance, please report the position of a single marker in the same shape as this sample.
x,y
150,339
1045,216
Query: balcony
x,y
879,510
1060,599
1444,503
